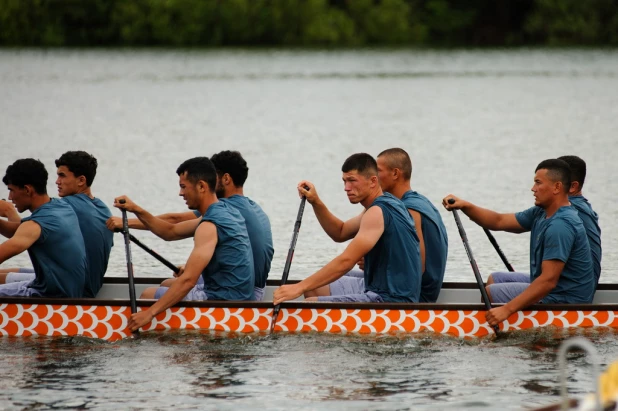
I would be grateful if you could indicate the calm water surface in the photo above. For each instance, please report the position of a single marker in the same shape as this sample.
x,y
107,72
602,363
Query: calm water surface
x,y
475,123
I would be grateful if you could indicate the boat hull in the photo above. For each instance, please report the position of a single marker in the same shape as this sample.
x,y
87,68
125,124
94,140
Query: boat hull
x,y
107,318
109,322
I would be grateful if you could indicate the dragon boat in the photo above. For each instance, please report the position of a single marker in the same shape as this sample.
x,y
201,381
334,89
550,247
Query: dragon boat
x,y
458,312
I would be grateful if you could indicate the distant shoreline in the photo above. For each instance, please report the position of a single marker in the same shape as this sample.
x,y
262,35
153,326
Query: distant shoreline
x,y
308,23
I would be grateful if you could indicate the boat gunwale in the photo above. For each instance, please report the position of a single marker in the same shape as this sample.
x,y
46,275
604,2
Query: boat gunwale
x,y
123,302
275,283
301,304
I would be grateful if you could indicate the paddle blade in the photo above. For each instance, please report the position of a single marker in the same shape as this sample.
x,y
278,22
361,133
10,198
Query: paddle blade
x,y
273,322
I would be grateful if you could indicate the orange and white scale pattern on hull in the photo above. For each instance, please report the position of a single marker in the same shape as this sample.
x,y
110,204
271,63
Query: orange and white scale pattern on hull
x,y
110,322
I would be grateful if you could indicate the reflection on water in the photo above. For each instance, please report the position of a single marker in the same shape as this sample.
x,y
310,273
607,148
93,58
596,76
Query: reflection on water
x,y
314,371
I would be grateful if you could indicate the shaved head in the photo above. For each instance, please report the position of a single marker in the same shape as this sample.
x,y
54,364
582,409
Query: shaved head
x,y
398,158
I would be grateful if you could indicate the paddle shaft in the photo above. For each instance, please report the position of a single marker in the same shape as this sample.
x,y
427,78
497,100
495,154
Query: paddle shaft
x,y
493,242
475,269
288,260
153,253
127,247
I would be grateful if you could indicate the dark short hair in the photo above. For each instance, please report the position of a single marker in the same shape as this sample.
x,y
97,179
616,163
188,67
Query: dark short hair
x,y
398,158
578,168
79,163
363,163
557,170
232,163
27,171
199,168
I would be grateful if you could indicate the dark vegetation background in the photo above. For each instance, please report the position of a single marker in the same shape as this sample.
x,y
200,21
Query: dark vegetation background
x,y
308,23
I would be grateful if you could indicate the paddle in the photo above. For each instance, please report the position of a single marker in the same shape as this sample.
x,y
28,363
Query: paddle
x,y
477,274
493,242
127,247
288,260
153,253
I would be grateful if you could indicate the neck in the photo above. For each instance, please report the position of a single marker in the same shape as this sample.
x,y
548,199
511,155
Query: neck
x,y
85,190
375,193
38,201
400,189
232,191
579,193
555,206
208,200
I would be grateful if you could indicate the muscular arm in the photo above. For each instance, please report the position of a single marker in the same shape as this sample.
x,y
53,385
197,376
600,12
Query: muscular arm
x,y
8,228
135,223
371,228
203,250
416,216
165,230
160,228
538,289
336,229
485,218
24,237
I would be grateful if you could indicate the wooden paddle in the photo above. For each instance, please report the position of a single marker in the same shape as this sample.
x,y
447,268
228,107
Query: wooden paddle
x,y
477,274
127,247
288,260
493,242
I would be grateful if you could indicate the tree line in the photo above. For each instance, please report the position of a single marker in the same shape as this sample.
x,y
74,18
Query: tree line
x,y
308,23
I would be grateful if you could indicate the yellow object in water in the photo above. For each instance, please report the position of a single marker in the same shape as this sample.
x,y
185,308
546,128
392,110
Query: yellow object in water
x,y
608,384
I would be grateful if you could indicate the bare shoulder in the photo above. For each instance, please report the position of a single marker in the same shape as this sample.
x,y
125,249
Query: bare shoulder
x,y
29,227
373,215
206,228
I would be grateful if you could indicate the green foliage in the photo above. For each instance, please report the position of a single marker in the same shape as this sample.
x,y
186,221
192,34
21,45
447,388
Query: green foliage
x,y
566,22
324,25
447,22
130,23
385,22
202,23
24,22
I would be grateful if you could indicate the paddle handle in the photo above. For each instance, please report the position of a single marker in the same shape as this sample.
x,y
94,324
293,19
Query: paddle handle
x,y
127,247
288,260
475,269
493,242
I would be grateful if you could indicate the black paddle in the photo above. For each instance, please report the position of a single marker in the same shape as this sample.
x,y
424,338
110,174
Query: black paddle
x,y
127,247
153,253
477,274
288,261
493,242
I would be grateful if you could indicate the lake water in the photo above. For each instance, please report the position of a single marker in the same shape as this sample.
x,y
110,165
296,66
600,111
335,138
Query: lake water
x,y
476,124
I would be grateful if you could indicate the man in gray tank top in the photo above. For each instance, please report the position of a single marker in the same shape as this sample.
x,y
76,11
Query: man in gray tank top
x,y
221,253
395,173
383,233
76,171
232,172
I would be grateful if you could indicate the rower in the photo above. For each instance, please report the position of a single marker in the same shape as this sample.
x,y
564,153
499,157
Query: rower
x,y
232,172
394,173
221,253
76,171
561,269
383,233
588,216
50,234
